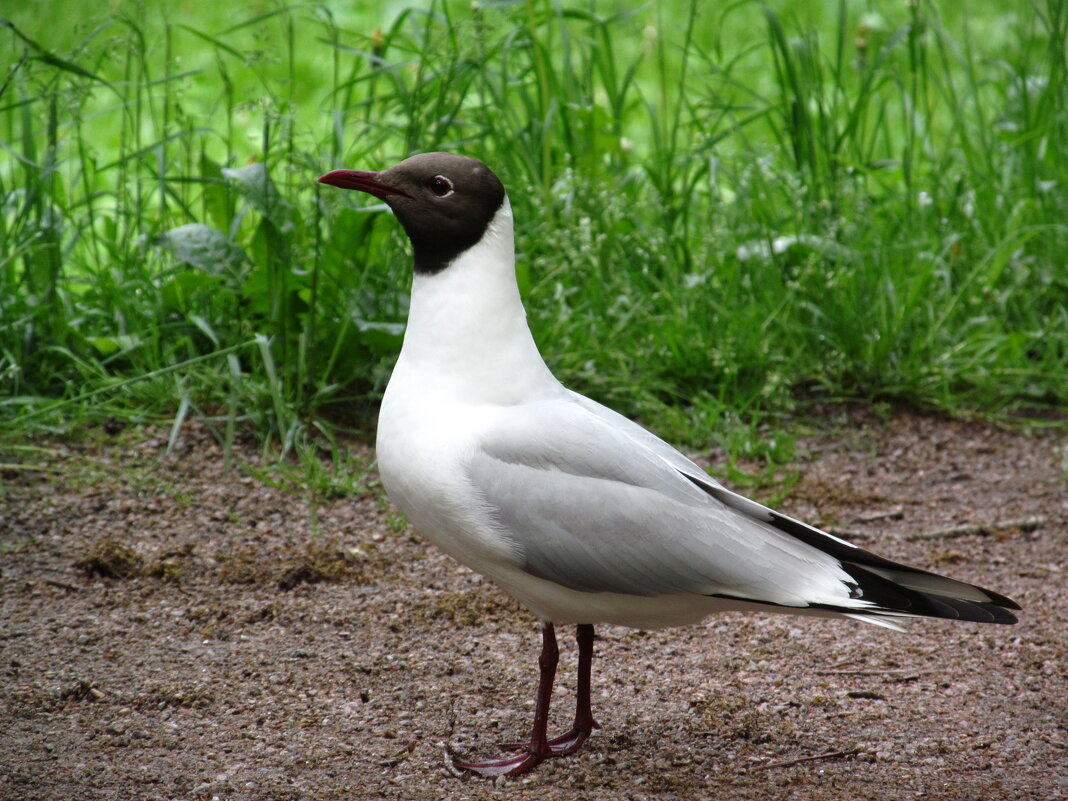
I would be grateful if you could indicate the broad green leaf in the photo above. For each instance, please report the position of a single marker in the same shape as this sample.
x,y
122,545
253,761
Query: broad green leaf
x,y
254,182
203,247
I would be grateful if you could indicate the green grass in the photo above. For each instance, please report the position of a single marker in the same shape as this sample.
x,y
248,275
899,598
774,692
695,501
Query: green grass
x,y
725,212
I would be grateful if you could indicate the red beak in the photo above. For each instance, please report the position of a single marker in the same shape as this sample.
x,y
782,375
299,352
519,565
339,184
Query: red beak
x,y
361,181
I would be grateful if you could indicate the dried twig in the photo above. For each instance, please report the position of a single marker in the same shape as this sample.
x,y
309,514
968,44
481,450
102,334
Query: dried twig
x,y
62,585
971,530
979,529
883,672
798,760
399,756
890,514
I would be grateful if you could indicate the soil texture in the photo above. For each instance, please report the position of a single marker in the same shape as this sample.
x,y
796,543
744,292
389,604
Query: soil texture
x,y
174,629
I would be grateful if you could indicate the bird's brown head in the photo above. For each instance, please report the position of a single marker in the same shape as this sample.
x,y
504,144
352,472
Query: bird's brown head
x,y
444,201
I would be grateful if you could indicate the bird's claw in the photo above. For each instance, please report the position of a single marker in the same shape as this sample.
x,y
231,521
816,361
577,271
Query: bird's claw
x,y
564,745
506,766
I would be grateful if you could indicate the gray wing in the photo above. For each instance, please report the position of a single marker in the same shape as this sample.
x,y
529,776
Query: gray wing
x,y
586,503
641,436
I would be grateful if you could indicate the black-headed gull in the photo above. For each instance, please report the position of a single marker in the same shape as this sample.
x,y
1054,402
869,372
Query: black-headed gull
x,y
578,512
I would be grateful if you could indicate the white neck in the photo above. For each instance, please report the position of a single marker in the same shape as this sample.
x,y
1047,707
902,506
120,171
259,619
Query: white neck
x,y
467,337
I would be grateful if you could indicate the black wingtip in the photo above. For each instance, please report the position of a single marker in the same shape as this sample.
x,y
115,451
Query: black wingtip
x,y
927,594
891,596
1002,600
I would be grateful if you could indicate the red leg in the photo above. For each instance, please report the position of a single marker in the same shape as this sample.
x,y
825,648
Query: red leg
x,y
584,723
537,750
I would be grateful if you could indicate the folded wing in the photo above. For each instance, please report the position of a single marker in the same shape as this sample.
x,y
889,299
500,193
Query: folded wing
x,y
591,501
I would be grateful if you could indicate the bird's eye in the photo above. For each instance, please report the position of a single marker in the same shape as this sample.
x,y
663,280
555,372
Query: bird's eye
x,y
440,186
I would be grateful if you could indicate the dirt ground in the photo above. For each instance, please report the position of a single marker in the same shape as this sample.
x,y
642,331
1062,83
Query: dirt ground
x,y
172,630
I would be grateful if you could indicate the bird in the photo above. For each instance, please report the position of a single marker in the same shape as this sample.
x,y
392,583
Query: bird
x,y
581,514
